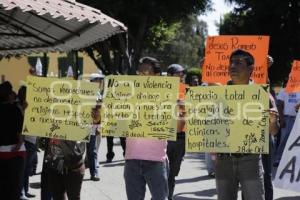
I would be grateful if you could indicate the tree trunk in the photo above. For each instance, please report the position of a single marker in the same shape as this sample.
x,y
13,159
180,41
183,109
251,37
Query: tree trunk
x,y
91,54
137,44
125,66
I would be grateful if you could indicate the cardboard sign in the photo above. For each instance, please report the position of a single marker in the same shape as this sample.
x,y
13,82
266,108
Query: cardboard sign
x,y
59,109
219,48
140,107
288,172
293,84
228,119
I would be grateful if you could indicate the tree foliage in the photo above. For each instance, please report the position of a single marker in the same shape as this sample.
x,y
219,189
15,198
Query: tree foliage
x,y
142,19
277,18
186,47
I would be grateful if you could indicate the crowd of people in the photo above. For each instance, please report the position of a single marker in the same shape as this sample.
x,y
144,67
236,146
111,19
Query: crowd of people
x,y
151,162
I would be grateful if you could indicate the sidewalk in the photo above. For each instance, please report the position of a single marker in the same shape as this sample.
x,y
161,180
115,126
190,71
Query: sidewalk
x,y
192,182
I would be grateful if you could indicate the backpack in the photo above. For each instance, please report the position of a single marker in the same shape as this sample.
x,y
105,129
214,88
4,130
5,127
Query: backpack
x,y
63,156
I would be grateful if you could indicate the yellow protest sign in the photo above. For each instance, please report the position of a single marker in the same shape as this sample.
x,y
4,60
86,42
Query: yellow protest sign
x,y
59,108
232,119
140,106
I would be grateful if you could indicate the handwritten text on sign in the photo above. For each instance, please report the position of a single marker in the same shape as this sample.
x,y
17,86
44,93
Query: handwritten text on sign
x,y
142,107
288,173
59,108
293,84
219,48
227,119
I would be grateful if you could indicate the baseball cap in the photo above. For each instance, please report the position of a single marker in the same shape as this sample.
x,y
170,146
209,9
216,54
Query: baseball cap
x,y
96,76
175,68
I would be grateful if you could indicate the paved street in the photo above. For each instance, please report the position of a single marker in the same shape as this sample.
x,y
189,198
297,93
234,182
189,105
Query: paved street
x,y
192,182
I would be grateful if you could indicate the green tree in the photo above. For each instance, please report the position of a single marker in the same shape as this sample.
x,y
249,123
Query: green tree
x,y
277,18
123,51
185,47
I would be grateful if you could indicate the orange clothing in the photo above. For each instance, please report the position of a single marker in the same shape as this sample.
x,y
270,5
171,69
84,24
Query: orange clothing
x,y
181,108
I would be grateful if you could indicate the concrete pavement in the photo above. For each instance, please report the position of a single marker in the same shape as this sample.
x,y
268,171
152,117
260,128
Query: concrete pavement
x,y
192,182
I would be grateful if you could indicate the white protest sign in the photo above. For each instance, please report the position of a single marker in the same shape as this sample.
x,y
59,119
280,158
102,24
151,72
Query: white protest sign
x,y
288,173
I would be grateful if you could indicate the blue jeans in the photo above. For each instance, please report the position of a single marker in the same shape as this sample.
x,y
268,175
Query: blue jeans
x,y
138,173
93,156
245,170
285,133
31,151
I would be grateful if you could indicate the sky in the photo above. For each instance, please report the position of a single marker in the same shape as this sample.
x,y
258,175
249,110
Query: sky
x,y
220,8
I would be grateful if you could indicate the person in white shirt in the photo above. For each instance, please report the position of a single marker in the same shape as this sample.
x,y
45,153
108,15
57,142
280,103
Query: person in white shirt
x,y
287,115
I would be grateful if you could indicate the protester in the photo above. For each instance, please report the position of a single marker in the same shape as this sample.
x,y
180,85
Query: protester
x,y
92,152
12,149
287,115
95,137
45,188
195,80
65,168
145,159
97,77
176,149
30,145
233,169
267,158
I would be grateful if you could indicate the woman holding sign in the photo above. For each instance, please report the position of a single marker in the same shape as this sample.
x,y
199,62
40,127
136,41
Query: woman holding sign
x,y
145,159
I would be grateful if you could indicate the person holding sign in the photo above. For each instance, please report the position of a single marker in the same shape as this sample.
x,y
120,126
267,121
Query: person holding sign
x,y
95,138
12,149
233,169
146,159
66,168
267,158
176,149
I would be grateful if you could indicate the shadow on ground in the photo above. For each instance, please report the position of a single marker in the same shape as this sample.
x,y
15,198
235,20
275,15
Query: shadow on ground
x,y
114,164
191,180
188,198
203,193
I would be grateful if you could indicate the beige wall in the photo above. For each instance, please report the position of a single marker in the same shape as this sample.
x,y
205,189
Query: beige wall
x,y
15,70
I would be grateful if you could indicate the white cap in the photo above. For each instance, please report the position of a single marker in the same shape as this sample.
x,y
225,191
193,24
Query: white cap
x,y
95,76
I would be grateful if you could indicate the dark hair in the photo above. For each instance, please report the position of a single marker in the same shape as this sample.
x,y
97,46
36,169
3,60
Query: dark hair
x,y
22,94
5,91
248,56
153,62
